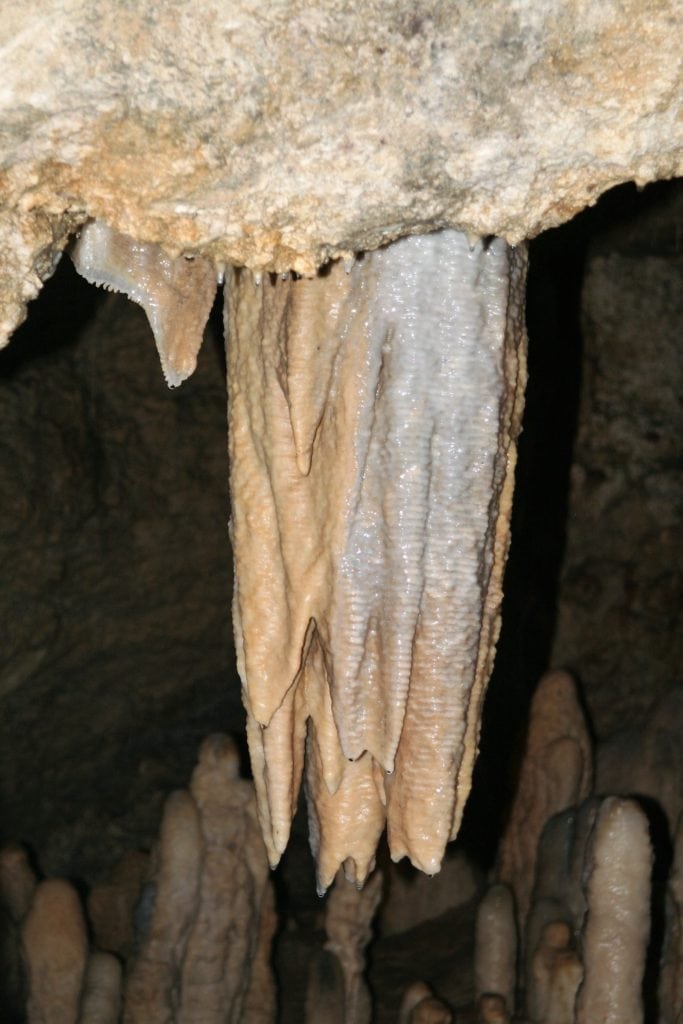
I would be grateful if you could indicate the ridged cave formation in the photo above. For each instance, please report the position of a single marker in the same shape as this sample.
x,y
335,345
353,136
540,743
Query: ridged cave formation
x,y
373,416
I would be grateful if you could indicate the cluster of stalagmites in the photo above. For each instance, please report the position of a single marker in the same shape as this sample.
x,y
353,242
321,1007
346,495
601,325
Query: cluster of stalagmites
x,y
184,936
563,933
180,937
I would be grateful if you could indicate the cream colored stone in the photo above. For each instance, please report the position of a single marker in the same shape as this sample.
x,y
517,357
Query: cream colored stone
x,y
55,946
151,990
617,925
495,946
205,955
276,135
557,772
373,418
234,920
491,1009
101,996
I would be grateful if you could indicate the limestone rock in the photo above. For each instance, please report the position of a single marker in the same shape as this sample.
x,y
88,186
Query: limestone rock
x,y
277,135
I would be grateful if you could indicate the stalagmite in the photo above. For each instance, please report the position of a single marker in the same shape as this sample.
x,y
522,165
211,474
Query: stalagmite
x,y
558,894
111,903
55,946
349,915
324,989
556,772
101,998
617,924
420,1006
151,993
671,977
373,417
492,1009
234,923
205,954
17,887
555,976
495,946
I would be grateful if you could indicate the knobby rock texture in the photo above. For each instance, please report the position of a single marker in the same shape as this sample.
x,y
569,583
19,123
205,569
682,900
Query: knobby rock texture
x,y
278,135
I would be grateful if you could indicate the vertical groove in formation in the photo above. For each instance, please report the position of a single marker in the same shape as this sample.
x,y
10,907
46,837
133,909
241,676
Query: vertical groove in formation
x,y
373,417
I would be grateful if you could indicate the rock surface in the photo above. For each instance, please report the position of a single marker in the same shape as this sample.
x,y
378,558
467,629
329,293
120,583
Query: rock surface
x,y
620,618
279,134
114,535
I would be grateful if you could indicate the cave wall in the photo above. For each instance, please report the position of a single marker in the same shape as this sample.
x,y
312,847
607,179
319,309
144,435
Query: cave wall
x,y
620,619
117,576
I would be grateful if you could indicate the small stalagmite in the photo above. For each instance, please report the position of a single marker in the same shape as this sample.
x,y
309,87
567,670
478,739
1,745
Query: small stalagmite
x,y
617,924
324,989
349,915
492,1009
373,419
55,948
101,996
556,772
555,976
17,886
152,986
558,893
495,946
204,955
420,1006
226,974
112,902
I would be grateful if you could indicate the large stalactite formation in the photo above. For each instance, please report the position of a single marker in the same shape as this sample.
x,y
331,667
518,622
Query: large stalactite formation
x,y
373,417
374,410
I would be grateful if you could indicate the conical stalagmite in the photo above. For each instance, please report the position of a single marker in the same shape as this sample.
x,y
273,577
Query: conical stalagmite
x,y
373,417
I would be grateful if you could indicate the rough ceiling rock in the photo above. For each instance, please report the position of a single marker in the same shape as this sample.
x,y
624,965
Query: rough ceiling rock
x,y
280,134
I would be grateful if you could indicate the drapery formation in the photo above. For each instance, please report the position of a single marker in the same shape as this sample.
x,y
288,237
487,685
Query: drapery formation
x,y
373,417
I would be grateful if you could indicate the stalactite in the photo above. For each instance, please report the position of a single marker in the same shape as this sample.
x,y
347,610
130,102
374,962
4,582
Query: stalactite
x,y
373,417
176,294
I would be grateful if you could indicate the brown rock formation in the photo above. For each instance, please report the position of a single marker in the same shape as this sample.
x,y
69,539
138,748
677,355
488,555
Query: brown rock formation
x,y
557,772
55,946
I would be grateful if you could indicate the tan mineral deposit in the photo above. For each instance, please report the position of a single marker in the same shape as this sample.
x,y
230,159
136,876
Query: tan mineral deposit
x,y
361,179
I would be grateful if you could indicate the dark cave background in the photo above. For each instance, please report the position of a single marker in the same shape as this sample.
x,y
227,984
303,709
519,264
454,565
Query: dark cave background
x,y
118,654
